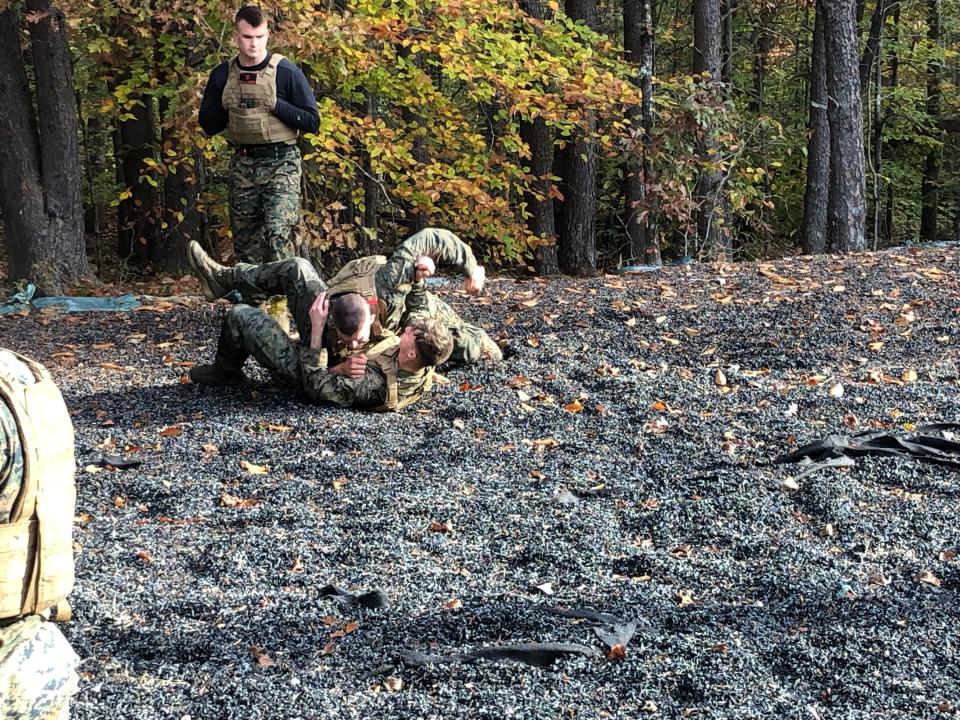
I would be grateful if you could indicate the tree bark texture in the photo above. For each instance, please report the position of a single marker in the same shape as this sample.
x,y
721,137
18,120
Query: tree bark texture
x,y
930,190
846,210
21,191
818,148
59,146
706,62
639,215
579,172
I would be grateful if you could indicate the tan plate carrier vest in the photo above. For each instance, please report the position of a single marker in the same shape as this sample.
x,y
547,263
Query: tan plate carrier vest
x,y
36,546
251,103
360,276
384,356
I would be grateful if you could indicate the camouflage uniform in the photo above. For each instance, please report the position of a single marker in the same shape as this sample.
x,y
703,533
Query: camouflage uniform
x,y
264,205
403,296
37,671
248,331
37,664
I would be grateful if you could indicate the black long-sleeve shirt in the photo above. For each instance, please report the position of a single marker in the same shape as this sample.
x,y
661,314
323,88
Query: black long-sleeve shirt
x,y
296,106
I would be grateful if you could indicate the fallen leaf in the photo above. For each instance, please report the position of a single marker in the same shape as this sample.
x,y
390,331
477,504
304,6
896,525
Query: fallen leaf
x,y
328,648
454,604
254,469
836,391
574,406
393,684
119,501
928,578
111,366
277,428
339,482
617,652
789,484
171,431
909,375
228,500
263,660
684,598
145,556
439,527
458,424
546,588
297,565
719,379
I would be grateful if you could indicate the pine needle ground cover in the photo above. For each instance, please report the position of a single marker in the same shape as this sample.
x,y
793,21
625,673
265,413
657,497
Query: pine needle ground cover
x,y
593,528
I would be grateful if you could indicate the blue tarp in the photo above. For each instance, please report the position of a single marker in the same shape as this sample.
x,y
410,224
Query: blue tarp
x,y
24,300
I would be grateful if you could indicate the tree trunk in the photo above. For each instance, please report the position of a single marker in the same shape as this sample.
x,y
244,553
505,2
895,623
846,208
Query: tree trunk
x,y
640,216
847,202
63,243
180,219
872,45
706,62
930,192
136,214
729,9
21,199
578,168
538,137
818,148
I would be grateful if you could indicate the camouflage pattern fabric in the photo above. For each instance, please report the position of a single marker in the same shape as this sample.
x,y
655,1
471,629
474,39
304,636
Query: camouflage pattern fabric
x,y
11,462
37,671
396,279
249,331
396,282
468,339
264,205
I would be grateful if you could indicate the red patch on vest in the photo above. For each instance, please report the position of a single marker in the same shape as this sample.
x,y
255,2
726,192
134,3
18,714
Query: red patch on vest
x,y
247,78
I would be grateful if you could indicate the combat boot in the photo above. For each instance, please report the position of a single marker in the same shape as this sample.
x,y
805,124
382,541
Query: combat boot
x,y
212,375
489,350
211,274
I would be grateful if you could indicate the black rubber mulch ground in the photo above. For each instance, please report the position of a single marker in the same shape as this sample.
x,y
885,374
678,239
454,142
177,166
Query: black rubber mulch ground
x,y
604,465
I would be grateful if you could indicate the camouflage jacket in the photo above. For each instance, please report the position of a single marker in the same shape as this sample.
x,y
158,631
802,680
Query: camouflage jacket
x,y
368,392
11,462
397,279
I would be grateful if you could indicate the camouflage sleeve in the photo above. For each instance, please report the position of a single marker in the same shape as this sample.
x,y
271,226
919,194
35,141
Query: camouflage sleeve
x,y
11,462
395,280
369,391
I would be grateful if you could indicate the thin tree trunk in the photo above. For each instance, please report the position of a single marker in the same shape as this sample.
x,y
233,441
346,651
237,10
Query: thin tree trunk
x,y
847,201
728,8
63,243
818,148
579,173
639,214
180,217
894,81
872,46
136,214
706,62
930,191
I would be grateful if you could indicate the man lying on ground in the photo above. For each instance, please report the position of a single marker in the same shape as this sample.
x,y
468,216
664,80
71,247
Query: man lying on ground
x,y
393,286
391,373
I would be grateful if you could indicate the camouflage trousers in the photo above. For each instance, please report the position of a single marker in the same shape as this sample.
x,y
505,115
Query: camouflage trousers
x,y
249,331
37,671
265,205
468,339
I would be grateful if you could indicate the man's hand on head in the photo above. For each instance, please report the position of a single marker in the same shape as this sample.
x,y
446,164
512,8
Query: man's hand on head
x,y
425,267
319,310
353,367
474,283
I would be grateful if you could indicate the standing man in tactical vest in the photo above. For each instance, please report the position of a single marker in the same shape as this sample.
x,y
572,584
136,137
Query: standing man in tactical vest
x,y
263,101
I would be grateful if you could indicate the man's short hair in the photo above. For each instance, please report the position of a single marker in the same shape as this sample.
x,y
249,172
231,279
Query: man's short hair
x,y
433,341
350,311
252,15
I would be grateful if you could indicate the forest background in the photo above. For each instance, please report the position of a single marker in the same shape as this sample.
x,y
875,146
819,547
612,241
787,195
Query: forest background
x,y
555,137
